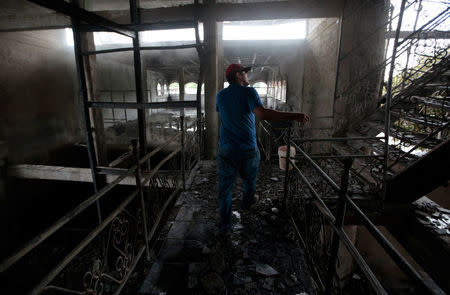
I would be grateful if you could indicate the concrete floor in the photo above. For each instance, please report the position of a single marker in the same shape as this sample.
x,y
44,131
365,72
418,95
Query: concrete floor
x,y
262,256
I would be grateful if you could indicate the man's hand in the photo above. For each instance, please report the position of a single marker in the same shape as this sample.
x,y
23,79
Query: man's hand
x,y
301,117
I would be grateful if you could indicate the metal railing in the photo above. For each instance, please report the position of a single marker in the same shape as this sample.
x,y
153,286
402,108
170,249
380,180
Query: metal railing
x,y
415,114
112,116
318,220
120,239
124,235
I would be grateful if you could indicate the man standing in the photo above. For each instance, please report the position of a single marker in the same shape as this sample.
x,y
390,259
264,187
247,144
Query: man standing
x,y
238,152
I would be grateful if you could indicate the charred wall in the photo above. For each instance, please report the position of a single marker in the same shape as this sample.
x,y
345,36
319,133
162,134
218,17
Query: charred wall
x,y
38,94
362,53
320,76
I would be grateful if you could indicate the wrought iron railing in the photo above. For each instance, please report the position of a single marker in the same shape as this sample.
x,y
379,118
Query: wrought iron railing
x,y
407,115
103,260
318,213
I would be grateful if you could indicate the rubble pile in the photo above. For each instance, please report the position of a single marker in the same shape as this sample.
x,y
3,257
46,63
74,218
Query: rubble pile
x,y
433,217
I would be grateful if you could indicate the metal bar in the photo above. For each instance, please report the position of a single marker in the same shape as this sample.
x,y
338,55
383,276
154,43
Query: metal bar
x,y
173,138
387,108
419,144
264,128
426,76
120,171
186,46
143,105
166,25
397,32
393,253
124,110
336,139
246,11
343,236
86,116
329,215
84,15
374,283
112,50
321,172
130,271
60,223
153,172
389,28
112,110
288,157
404,265
427,121
135,19
308,257
182,152
69,257
201,54
5,264
193,124
120,159
435,34
427,100
342,156
408,52
339,222
338,60
141,194
161,213
63,290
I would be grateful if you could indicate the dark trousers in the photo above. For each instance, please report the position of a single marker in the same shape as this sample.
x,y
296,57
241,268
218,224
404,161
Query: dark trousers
x,y
230,162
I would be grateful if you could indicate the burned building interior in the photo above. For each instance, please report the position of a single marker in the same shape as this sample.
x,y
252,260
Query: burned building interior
x,y
109,132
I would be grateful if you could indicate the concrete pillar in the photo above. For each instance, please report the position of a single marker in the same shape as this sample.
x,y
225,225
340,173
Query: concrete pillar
x,y
181,83
212,37
359,59
220,58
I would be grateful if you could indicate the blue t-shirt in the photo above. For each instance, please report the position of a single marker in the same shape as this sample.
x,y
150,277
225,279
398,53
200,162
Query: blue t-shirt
x,y
235,105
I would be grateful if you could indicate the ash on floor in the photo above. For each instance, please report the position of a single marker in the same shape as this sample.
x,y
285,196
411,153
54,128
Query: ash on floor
x,y
262,255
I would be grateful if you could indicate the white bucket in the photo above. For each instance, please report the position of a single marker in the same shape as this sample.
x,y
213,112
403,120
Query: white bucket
x,y
282,156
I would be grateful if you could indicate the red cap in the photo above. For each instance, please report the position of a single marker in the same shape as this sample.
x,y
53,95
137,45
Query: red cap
x,y
234,68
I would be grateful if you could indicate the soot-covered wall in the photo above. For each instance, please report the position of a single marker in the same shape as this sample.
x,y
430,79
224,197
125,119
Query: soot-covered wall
x,y
38,94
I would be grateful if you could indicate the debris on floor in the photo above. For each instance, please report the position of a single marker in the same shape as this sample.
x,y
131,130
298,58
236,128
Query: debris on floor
x,y
260,255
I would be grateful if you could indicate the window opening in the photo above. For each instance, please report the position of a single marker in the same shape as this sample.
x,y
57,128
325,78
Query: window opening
x,y
285,29
174,88
261,88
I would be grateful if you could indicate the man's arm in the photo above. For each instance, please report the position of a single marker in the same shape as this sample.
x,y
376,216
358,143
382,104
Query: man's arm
x,y
272,115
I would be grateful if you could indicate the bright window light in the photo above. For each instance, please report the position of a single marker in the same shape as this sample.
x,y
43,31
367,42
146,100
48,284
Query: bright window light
x,y
261,88
105,38
190,88
171,35
69,37
263,30
403,146
243,30
174,88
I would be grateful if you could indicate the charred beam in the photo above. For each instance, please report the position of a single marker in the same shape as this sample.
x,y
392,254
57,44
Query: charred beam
x,y
84,15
